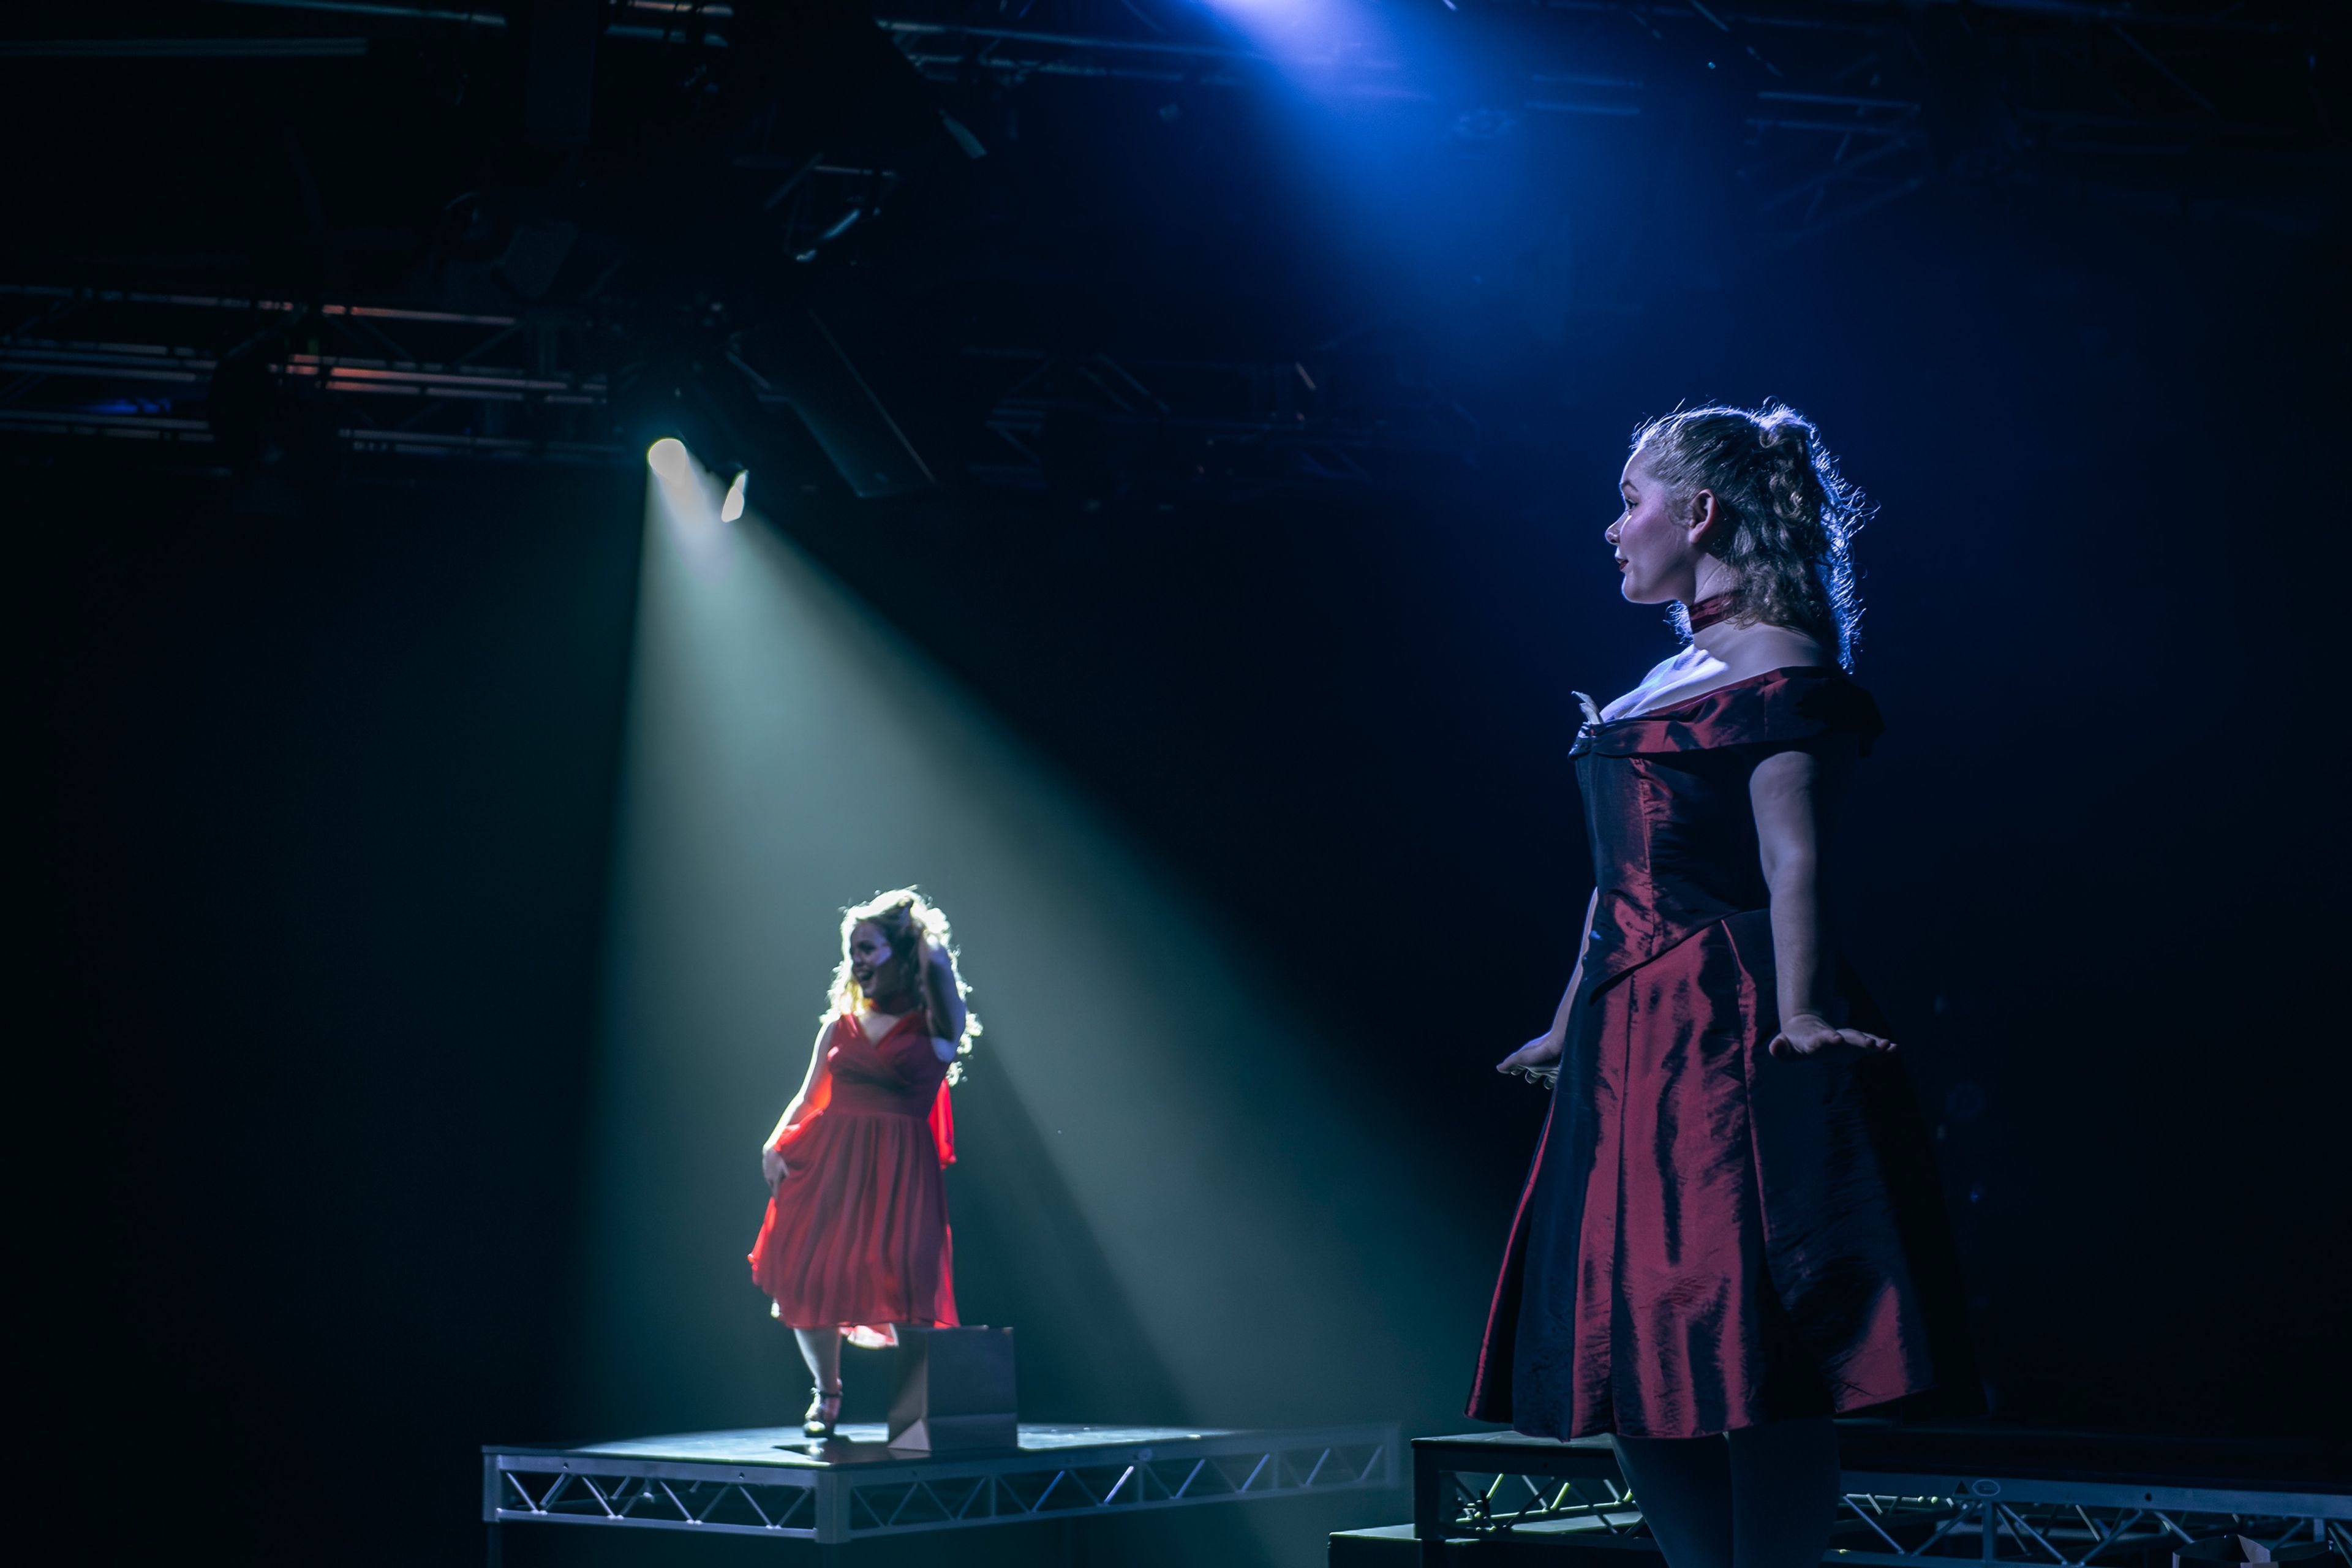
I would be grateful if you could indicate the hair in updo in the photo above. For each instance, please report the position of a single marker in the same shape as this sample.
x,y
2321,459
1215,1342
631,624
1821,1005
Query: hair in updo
x,y
1788,516
913,924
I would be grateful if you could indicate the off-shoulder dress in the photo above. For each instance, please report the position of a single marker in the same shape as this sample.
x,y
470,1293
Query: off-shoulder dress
x,y
1710,1236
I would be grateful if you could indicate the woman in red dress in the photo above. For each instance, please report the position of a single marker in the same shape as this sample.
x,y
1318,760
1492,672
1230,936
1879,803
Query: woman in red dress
x,y
1730,1232
857,1239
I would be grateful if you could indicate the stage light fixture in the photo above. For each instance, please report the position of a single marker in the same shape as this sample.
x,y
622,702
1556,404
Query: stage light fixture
x,y
667,458
732,507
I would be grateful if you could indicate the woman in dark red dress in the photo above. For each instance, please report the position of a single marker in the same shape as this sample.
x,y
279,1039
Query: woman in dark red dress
x,y
857,1239
1728,1225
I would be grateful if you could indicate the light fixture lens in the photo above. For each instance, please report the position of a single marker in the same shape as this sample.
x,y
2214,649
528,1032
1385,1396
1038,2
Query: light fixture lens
x,y
732,507
667,458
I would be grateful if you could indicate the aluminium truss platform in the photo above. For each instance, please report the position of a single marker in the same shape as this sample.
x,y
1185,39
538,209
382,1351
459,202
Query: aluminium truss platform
x,y
1922,1497
772,1482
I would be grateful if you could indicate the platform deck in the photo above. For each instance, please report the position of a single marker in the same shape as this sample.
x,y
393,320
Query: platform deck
x,y
770,1481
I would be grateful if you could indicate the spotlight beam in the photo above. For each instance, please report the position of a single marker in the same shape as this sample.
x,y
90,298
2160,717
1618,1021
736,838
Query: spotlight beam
x,y
789,751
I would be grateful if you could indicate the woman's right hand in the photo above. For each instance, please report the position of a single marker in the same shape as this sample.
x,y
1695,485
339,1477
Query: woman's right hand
x,y
772,1166
1537,1061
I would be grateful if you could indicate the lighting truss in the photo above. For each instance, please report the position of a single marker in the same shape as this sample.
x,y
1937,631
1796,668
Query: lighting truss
x,y
400,380
1844,106
129,364
954,42
1495,1485
785,1492
1265,422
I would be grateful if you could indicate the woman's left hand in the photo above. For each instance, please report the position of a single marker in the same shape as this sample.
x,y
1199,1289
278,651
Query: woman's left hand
x,y
1537,1061
1807,1032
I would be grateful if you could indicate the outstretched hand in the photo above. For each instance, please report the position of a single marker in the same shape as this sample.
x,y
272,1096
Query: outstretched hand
x,y
1537,1061
1808,1033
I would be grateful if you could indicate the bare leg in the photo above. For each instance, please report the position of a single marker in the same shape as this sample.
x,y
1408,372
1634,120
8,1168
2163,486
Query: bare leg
x,y
821,1348
1785,1482
1684,1485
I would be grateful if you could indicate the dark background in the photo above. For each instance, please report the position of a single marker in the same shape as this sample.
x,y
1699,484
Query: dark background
x,y
323,802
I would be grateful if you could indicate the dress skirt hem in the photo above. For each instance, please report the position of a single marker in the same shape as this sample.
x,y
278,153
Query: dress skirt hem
x,y
1708,1237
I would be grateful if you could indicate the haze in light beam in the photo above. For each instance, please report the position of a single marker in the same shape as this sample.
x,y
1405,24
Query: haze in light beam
x,y
788,754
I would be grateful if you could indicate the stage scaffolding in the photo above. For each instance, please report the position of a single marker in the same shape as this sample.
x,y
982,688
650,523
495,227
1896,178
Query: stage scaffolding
x,y
769,1482
2011,1500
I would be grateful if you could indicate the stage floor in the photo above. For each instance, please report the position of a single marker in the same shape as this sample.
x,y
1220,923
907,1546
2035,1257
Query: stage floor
x,y
772,1481
856,1444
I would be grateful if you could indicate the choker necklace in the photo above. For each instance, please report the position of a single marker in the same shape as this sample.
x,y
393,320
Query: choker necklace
x,y
1708,611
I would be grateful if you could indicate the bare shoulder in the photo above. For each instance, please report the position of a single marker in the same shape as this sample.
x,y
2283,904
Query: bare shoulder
x,y
1758,650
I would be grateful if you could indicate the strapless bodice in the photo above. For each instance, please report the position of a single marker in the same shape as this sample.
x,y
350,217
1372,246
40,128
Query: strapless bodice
x,y
1666,805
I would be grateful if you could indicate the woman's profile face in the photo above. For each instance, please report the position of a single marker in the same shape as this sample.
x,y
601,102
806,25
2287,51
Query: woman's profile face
x,y
869,954
1656,553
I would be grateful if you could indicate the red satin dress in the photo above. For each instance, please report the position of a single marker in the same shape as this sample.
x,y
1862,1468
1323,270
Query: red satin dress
x,y
1711,1237
857,1233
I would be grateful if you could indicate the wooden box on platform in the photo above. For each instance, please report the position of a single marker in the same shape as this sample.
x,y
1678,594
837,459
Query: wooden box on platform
x,y
955,1391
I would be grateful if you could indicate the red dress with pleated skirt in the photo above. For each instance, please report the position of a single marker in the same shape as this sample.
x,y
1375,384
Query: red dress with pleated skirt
x,y
1711,1236
856,1234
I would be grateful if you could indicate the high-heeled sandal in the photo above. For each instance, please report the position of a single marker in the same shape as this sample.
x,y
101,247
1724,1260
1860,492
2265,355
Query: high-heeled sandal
x,y
823,1414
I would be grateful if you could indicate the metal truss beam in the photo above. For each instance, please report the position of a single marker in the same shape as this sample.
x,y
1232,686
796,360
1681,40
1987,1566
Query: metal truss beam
x,y
348,48
126,364
802,1498
657,21
129,364
1493,1485
1834,13
1182,424
948,51
486,19
2087,93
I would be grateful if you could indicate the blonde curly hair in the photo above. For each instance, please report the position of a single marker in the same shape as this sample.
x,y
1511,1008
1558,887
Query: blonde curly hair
x,y
913,925
1792,518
